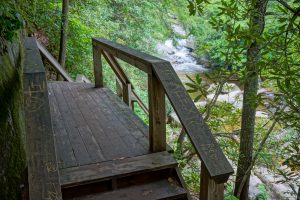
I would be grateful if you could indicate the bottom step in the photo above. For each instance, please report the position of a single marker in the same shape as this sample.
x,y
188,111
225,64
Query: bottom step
x,y
157,190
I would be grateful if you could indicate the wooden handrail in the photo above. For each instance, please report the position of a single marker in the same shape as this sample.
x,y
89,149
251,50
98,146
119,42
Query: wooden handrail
x,y
43,175
162,79
54,62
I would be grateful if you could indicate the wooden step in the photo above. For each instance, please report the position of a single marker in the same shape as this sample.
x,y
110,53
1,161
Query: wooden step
x,y
157,190
86,174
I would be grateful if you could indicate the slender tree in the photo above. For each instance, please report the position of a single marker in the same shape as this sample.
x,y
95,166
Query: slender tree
x,y
64,33
256,28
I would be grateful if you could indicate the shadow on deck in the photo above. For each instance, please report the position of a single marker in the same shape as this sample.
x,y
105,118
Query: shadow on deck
x,y
83,142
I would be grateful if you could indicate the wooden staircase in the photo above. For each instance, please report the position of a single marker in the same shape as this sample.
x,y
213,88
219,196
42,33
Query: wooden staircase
x,y
84,142
152,176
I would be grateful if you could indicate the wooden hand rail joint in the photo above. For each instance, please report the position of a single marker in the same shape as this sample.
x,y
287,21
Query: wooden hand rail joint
x,y
162,76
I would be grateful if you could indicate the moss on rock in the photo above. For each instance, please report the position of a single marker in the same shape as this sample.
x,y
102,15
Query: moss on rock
x,y
12,157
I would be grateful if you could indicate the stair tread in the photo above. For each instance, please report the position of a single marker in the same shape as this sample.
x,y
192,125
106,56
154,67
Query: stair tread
x,y
157,190
86,174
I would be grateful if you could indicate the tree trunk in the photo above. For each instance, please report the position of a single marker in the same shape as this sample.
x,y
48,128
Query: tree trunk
x,y
256,28
63,33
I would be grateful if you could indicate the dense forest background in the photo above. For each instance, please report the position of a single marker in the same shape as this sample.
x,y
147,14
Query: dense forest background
x,y
239,60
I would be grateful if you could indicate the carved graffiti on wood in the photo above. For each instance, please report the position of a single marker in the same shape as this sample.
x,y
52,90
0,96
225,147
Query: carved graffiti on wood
x,y
34,99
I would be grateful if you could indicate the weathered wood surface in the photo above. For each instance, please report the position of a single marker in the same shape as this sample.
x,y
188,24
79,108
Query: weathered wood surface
x,y
162,189
157,115
209,189
141,60
54,62
201,137
116,169
43,176
98,71
93,125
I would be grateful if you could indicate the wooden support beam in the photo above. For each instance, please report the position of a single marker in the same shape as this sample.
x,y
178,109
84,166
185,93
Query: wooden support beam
x,y
127,94
54,62
157,115
119,89
209,189
98,71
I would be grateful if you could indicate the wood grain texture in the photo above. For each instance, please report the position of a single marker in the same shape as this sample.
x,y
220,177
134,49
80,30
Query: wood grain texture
x,y
114,169
98,71
127,95
157,115
138,59
43,176
209,189
201,137
54,62
161,189
93,124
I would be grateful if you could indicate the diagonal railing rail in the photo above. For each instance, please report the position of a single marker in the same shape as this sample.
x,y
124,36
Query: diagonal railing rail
x,y
163,80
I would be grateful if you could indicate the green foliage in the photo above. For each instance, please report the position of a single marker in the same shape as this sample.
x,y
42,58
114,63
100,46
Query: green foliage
x,y
229,192
10,21
135,23
263,192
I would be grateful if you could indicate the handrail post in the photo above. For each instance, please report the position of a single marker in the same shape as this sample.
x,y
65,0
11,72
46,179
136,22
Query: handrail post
x,y
127,94
209,189
119,89
157,114
98,73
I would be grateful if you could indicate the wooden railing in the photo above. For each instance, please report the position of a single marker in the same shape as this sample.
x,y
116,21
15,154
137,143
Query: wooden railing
x,y
46,54
163,80
43,178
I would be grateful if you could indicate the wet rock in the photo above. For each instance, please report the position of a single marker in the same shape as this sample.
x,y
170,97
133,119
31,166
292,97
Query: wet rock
x,y
190,68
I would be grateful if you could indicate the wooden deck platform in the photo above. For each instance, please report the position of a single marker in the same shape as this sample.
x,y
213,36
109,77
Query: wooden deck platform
x,y
99,139
83,142
93,125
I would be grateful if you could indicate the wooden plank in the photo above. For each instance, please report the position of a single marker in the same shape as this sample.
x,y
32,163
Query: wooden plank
x,y
116,133
157,115
43,176
130,121
77,97
201,137
54,62
130,135
138,59
131,118
65,107
64,151
71,177
94,119
98,71
161,189
209,189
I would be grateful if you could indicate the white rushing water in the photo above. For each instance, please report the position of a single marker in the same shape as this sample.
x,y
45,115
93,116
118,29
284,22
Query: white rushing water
x,y
180,55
